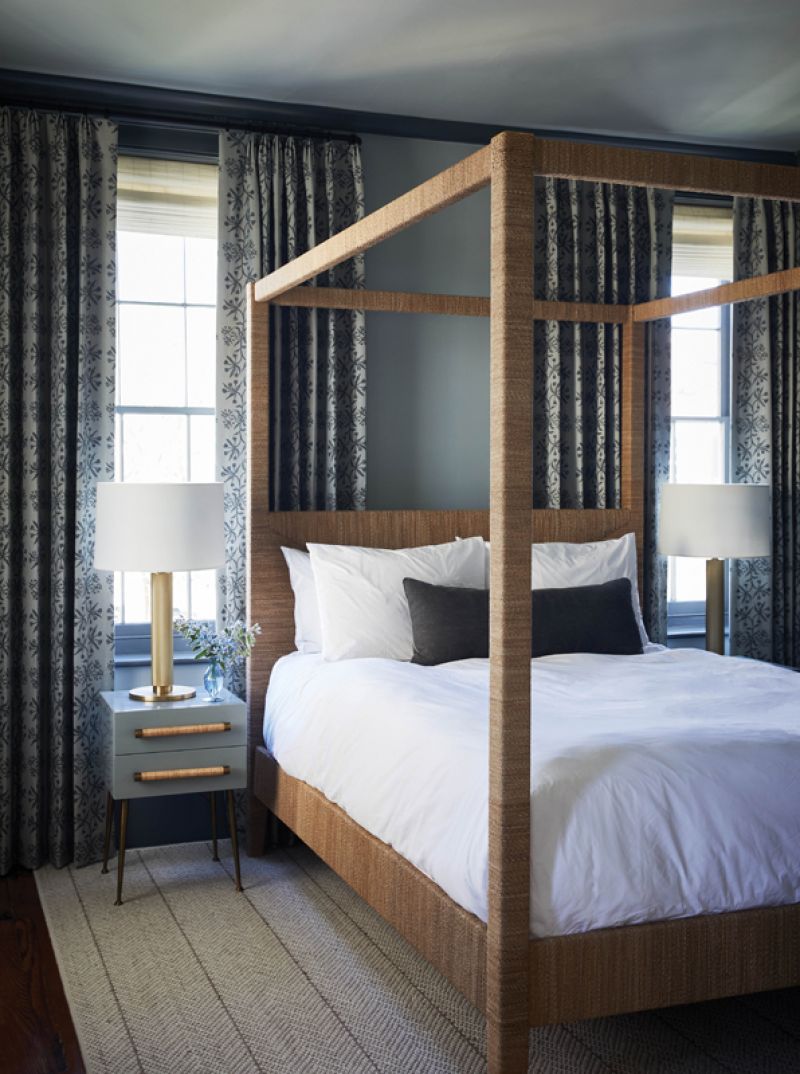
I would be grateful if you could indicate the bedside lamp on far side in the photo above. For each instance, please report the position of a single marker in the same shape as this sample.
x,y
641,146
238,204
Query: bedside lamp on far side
x,y
159,528
716,522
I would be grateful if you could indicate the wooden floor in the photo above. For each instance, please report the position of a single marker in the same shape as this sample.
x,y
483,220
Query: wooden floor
x,y
36,1031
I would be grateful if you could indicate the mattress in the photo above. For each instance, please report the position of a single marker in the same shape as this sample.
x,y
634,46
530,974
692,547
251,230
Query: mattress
x,y
662,785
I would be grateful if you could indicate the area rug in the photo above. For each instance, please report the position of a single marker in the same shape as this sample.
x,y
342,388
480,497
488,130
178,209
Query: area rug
x,y
297,974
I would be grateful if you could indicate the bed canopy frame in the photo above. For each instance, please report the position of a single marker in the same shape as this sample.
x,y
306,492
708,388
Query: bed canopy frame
x,y
516,980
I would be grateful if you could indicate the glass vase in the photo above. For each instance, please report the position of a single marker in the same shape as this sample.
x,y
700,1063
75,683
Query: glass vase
x,y
214,681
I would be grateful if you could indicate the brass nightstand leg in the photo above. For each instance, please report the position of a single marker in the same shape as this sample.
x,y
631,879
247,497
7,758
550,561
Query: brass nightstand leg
x,y
123,832
109,825
234,838
213,797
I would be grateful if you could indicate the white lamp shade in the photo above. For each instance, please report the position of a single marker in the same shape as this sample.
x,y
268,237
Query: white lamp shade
x,y
715,521
159,527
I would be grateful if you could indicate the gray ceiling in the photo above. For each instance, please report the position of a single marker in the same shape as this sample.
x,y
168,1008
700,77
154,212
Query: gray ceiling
x,y
694,70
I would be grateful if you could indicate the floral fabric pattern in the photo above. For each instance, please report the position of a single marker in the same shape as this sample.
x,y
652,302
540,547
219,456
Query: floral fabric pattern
x,y
279,196
57,361
765,433
598,242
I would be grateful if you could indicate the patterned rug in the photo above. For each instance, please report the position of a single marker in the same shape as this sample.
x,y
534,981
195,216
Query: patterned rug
x,y
297,975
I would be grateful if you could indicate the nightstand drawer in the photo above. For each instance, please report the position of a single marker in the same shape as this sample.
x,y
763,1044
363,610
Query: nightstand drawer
x,y
179,772
192,725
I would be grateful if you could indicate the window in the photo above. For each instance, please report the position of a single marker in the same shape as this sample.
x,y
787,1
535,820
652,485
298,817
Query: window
x,y
700,448
166,344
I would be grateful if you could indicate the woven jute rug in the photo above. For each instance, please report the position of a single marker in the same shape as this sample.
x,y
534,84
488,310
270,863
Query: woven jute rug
x,y
297,974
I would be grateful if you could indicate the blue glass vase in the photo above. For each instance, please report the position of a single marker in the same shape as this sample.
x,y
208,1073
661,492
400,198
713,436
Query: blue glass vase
x,y
214,681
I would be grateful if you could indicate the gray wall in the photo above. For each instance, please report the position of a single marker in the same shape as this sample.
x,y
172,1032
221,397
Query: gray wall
x,y
427,377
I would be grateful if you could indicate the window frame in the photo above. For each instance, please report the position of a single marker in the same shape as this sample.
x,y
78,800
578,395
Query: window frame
x,y
687,618
132,640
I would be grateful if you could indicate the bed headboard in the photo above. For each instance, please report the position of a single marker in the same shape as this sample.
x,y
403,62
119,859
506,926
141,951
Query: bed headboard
x,y
270,598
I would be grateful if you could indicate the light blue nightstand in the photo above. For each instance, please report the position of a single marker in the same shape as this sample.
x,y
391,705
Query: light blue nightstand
x,y
174,747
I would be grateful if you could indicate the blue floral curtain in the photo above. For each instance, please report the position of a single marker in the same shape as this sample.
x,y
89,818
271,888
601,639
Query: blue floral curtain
x,y
57,355
600,242
279,196
765,602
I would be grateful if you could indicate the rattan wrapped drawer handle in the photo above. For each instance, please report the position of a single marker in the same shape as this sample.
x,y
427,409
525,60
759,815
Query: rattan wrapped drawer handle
x,y
182,773
182,729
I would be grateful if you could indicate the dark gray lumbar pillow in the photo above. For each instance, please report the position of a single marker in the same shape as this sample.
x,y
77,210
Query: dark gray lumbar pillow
x,y
585,619
452,623
447,622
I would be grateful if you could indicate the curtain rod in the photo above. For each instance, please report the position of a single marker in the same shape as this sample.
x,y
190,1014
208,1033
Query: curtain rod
x,y
195,144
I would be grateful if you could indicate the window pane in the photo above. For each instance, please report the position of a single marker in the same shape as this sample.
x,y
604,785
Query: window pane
x,y
688,578
202,456
709,318
118,470
155,447
180,594
137,596
149,267
201,347
202,604
166,359
696,386
204,594
152,370
201,271
698,451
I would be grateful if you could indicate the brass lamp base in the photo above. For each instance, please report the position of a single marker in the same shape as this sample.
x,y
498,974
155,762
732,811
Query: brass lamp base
x,y
170,693
163,688
715,606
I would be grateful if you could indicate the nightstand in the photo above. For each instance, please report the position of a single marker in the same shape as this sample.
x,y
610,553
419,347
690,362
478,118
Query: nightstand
x,y
174,747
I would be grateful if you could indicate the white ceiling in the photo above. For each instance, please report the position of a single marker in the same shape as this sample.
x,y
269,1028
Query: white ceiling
x,y
716,71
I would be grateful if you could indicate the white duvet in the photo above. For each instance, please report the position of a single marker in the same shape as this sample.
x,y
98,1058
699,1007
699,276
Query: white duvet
x,y
662,785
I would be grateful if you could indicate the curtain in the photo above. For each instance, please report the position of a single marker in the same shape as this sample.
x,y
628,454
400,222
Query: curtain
x,y
598,242
57,339
765,603
279,196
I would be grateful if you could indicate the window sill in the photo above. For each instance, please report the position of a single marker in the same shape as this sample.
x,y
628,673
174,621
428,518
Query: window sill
x,y
690,632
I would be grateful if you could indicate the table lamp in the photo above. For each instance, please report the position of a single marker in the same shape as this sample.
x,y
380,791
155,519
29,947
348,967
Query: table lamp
x,y
717,522
159,528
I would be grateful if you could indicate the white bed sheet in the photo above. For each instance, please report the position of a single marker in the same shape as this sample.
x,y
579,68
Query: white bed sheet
x,y
662,785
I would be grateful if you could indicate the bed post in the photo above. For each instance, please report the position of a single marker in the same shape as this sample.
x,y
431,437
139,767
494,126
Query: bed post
x,y
511,427
633,407
257,507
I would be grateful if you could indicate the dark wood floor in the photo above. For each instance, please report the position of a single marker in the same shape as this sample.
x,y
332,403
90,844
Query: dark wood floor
x,y
36,1031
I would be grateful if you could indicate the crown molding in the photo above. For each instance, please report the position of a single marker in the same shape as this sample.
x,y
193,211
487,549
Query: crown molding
x,y
140,108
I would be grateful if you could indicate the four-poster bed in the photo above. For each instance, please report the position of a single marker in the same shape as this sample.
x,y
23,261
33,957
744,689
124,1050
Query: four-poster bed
x,y
518,981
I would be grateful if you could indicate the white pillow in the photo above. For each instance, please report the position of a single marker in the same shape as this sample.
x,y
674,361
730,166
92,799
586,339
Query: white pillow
x,y
559,564
307,629
362,604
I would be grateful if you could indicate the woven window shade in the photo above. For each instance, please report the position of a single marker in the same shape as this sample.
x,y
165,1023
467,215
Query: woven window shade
x,y
702,242
167,197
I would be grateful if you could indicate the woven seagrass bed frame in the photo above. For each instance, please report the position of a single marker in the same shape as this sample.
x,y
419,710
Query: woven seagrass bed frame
x,y
516,980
